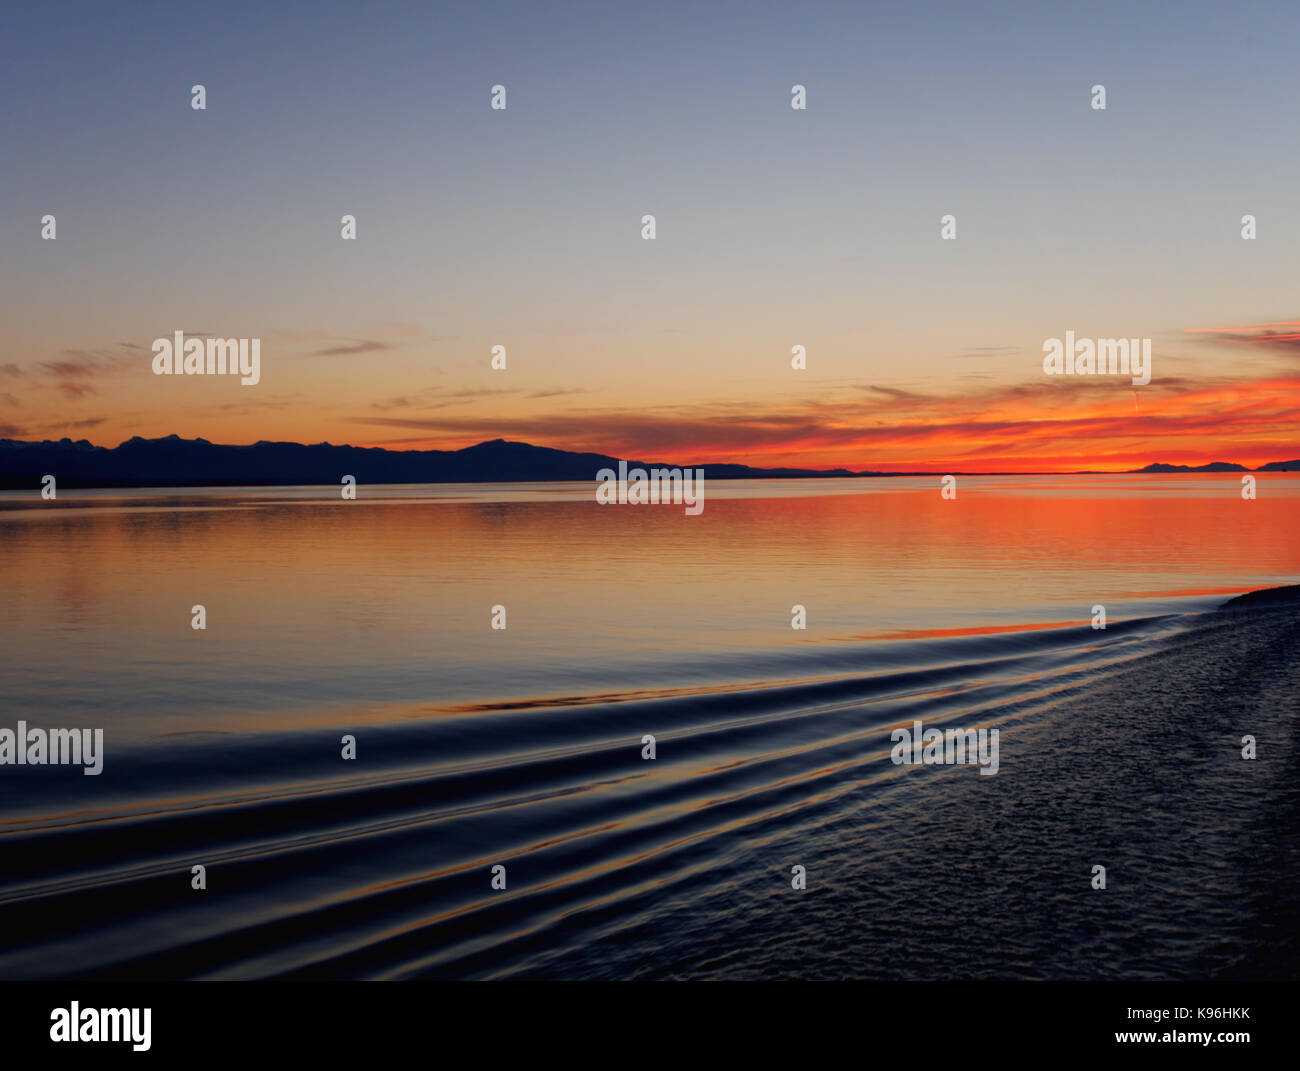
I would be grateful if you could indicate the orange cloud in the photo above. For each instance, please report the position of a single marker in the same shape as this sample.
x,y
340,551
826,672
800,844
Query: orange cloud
x,y
1045,426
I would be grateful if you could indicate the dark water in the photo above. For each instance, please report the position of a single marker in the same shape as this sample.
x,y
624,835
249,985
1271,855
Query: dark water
x,y
1118,747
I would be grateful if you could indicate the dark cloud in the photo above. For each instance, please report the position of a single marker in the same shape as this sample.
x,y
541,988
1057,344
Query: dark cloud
x,y
362,345
988,351
70,368
71,373
431,398
898,395
1283,341
557,393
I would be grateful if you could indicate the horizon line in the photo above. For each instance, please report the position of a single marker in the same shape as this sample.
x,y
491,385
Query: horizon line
x,y
793,471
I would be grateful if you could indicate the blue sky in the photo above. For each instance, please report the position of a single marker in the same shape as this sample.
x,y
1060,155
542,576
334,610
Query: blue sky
x,y
774,227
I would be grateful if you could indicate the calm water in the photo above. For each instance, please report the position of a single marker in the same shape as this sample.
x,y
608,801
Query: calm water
x,y
523,746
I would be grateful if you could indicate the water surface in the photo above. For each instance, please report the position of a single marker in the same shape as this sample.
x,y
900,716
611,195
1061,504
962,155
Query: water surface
x,y
523,746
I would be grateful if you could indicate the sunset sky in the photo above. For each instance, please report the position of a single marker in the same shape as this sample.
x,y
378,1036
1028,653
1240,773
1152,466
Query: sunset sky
x,y
776,227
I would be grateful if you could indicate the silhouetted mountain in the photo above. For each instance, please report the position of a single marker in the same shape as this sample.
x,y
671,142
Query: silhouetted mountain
x,y
1213,466
177,462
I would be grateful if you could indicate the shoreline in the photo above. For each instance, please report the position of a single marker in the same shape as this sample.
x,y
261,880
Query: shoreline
x,y
1142,774
913,872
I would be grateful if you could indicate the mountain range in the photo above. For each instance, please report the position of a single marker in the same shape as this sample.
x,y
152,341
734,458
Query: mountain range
x,y
176,462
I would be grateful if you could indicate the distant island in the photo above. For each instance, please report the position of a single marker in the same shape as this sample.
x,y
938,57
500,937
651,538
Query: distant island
x,y
176,462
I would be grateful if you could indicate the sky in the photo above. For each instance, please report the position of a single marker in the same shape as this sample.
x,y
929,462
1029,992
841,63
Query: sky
x,y
775,227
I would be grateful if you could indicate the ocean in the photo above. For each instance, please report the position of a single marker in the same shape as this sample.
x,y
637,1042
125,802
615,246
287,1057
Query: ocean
x,y
524,747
